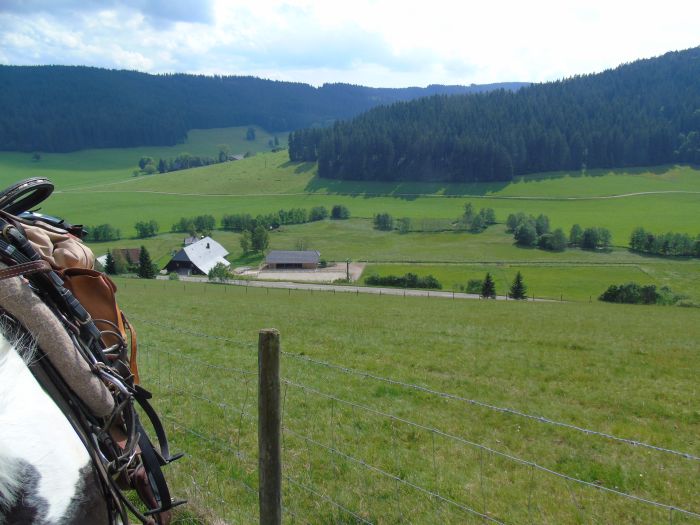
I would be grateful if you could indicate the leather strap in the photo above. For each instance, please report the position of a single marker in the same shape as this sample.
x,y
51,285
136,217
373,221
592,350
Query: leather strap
x,y
25,269
133,364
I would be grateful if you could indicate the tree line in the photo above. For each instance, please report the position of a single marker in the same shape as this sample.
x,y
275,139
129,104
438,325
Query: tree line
x,y
634,293
531,231
665,244
244,221
639,114
67,108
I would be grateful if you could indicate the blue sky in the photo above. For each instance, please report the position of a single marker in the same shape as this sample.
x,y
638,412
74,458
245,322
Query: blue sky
x,y
383,43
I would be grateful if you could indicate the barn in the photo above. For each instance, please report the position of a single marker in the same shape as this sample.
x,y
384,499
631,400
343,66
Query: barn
x,y
292,260
198,258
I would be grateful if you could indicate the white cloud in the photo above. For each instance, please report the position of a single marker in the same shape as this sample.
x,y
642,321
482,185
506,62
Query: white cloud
x,y
372,42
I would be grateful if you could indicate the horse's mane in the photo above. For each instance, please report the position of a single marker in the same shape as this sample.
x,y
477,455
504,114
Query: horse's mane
x,y
11,339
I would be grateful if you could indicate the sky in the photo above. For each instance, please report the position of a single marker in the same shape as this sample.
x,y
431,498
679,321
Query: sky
x,y
379,43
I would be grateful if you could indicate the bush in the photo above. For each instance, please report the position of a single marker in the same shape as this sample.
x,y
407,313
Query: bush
x,y
409,280
526,234
102,233
173,276
633,293
318,213
238,222
218,273
593,238
404,224
146,229
474,286
340,212
384,222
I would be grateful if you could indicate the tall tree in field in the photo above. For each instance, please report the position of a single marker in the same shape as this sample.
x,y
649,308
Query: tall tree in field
x,y
146,268
260,239
488,288
109,264
575,235
518,290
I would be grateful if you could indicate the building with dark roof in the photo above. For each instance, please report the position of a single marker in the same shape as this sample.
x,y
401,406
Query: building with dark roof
x,y
198,258
292,260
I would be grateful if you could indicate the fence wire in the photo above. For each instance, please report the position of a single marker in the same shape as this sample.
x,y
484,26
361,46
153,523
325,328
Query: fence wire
x,y
495,408
444,395
469,443
334,450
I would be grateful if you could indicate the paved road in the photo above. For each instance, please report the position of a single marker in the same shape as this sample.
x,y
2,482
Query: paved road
x,y
334,288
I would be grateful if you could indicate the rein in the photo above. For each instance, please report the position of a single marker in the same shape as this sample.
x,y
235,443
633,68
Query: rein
x,y
100,404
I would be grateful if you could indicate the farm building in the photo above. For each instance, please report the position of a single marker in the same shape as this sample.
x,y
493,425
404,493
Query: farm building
x,y
190,240
289,260
198,258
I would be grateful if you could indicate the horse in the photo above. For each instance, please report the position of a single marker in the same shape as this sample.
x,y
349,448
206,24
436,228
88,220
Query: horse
x,y
47,475
71,441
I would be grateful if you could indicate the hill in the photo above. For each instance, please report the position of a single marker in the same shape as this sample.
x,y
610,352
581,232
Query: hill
x,y
639,114
599,366
97,187
66,108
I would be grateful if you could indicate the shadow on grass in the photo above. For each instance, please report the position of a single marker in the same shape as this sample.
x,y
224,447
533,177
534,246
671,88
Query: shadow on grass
x,y
299,167
405,190
600,172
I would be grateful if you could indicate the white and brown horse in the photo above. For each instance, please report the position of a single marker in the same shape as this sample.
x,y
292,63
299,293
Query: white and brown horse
x,y
46,474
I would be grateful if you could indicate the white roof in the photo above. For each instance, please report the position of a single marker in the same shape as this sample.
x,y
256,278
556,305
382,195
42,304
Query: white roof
x,y
206,253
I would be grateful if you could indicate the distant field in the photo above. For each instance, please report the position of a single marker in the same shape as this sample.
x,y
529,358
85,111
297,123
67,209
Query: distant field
x,y
626,370
267,183
104,166
577,282
454,258
97,187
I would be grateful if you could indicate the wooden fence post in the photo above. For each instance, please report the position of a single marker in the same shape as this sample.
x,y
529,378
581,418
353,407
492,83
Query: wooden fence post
x,y
269,428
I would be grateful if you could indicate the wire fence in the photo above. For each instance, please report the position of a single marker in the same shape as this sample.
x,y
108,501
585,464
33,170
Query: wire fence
x,y
351,456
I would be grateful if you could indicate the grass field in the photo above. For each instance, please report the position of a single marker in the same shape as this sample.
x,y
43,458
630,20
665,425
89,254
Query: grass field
x,y
105,166
358,447
625,370
267,183
102,190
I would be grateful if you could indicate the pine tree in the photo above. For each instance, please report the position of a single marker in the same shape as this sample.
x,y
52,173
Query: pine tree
x,y
518,290
146,268
109,264
488,288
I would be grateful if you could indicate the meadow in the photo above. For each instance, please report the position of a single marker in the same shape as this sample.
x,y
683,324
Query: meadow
x,y
385,398
95,187
358,447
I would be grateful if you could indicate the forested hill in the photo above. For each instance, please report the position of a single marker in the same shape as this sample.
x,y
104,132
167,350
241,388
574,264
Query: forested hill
x,y
643,113
65,108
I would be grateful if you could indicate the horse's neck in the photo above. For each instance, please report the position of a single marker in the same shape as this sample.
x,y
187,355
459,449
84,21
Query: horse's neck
x,y
35,435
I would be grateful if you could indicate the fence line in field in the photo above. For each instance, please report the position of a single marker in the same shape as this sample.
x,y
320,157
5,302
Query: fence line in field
x,y
472,444
333,450
203,436
495,408
445,395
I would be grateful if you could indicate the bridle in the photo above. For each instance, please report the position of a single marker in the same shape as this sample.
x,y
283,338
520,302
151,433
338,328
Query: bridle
x,y
121,451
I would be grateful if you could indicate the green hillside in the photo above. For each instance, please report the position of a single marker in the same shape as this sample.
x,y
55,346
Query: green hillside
x,y
96,187
601,367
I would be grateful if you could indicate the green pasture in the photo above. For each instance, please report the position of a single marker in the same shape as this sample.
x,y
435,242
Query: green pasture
x,y
659,213
454,258
97,167
626,370
268,182
568,282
